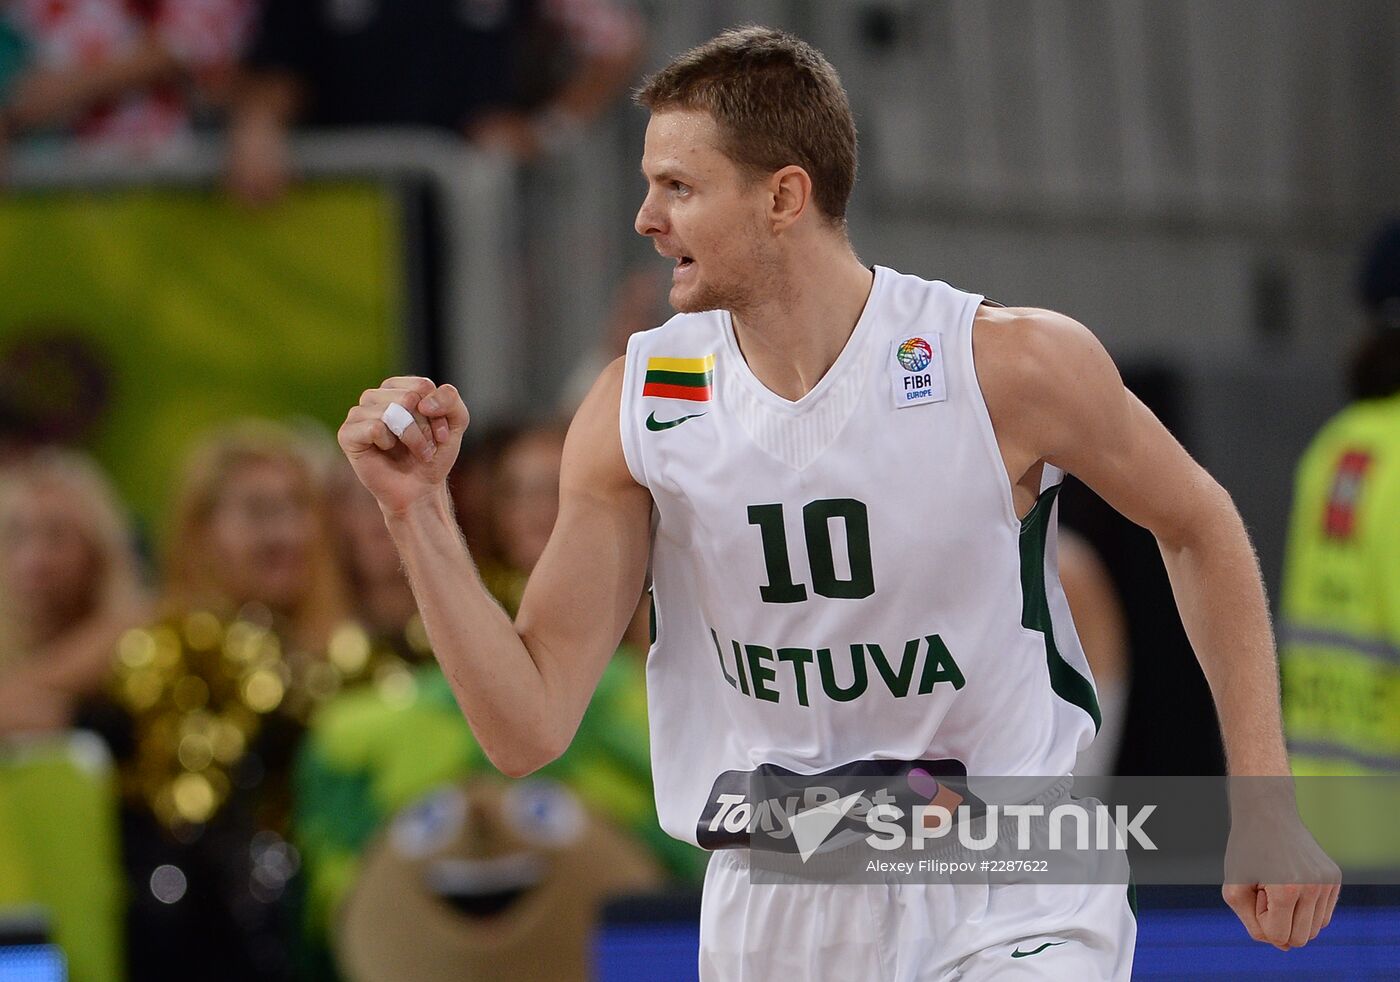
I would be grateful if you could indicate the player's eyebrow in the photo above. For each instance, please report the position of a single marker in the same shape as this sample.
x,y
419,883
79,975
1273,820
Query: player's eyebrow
x,y
663,174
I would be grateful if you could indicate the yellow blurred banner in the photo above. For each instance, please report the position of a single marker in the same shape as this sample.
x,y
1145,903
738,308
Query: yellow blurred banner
x,y
133,321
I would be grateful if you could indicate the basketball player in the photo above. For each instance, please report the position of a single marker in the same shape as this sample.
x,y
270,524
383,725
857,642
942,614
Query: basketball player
x,y
833,454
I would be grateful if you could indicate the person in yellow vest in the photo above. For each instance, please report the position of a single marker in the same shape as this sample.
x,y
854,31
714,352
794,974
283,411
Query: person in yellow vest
x,y
1340,654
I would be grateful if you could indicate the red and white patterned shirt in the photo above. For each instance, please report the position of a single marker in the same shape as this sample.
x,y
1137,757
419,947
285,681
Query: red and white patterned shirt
x,y
205,36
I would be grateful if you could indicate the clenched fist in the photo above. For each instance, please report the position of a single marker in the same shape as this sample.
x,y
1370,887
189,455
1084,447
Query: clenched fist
x,y
402,470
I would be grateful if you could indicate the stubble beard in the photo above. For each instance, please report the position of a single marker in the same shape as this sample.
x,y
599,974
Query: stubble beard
x,y
740,293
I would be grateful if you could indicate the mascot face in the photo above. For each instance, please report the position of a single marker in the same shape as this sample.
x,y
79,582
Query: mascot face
x,y
486,880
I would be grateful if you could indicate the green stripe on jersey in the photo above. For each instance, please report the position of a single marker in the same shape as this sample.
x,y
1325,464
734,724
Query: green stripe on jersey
x,y
692,379
1066,682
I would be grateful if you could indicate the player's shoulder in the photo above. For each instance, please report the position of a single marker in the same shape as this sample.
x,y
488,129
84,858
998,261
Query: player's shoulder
x,y
1043,375
593,455
1026,346
1027,327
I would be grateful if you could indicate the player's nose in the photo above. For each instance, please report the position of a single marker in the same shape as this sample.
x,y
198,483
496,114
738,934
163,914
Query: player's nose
x,y
650,218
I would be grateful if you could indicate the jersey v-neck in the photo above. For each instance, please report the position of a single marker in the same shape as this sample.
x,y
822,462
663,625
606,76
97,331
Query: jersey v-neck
x,y
844,363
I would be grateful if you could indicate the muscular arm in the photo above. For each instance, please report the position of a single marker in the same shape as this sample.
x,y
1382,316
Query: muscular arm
x,y
1055,395
522,686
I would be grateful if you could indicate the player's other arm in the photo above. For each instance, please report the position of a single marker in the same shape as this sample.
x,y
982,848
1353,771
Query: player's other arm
x,y
1056,396
1072,410
522,686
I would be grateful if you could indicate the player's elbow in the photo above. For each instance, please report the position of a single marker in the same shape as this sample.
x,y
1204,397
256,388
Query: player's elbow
x,y
515,766
521,758
1206,515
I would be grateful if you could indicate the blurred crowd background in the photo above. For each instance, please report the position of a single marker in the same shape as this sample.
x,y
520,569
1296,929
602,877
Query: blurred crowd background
x,y
225,749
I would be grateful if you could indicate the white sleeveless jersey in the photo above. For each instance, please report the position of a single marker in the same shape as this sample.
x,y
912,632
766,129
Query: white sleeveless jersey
x,y
843,578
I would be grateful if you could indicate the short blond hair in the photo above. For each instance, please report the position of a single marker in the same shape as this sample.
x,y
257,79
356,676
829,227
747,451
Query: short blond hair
x,y
777,101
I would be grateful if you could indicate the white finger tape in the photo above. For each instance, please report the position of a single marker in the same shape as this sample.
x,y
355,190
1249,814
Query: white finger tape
x,y
397,418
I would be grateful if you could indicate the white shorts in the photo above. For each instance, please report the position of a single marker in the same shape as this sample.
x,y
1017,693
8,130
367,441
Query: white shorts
x,y
909,932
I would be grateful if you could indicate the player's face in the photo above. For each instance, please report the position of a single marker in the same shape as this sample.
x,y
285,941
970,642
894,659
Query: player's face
x,y
704,213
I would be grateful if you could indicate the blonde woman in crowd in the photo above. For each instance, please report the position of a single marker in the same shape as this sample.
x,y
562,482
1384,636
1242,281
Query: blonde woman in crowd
x,y
69,586
249,532
212,699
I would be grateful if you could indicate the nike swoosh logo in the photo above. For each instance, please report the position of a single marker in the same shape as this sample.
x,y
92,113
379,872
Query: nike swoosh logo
x,y
656,425
1018,953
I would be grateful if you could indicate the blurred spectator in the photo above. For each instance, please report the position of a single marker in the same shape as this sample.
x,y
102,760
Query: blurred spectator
x,y
68,587
379,590
487,69
212,699
372,752
250,527
119,75
1098,621
524,504
472,486
1341,592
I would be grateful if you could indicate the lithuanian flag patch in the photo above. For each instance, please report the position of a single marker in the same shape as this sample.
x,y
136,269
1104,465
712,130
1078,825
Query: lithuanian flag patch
x,y
680,378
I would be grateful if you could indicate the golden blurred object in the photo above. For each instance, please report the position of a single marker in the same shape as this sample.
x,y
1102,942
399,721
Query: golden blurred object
x,y
141,690
202,630
262,690
349,649
194,798
228,742
195,753
201,691
136,649
196,724
242,641
168,646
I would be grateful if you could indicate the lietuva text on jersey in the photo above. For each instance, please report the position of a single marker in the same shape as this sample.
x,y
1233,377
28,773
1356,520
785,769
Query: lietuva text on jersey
x,y
785,673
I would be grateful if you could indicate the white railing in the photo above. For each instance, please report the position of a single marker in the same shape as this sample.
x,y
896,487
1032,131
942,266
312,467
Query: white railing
x,y
475,194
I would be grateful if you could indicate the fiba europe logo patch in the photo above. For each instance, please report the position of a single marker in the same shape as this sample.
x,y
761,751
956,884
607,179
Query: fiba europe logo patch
x,y
916,377
914,354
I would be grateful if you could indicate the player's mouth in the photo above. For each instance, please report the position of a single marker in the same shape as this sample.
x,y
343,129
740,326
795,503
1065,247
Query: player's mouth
x,y
684,264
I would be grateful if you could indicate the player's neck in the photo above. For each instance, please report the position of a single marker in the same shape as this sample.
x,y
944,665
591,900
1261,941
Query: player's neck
x,y
793,337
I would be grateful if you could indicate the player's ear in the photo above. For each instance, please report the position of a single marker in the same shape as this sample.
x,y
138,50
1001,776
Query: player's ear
x,y
791,190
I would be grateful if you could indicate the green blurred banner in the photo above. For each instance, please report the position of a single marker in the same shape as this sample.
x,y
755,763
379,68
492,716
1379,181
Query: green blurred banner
x,y
188,310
